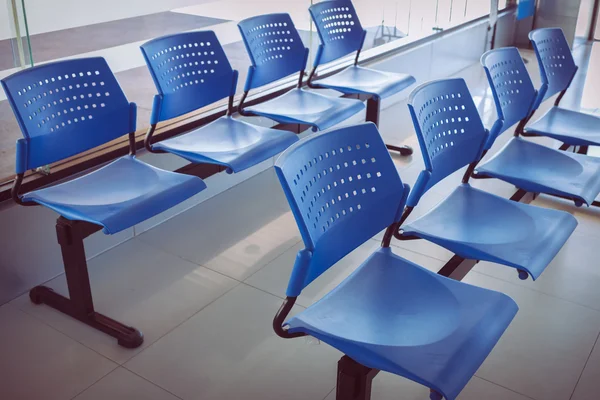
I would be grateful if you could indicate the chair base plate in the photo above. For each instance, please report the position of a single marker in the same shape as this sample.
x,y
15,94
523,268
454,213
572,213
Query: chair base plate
x,y
126,336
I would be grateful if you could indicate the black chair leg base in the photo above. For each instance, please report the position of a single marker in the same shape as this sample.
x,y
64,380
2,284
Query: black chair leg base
x,y
126,336
403,150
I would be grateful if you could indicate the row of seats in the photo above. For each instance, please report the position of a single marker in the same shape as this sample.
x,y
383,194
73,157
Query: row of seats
x,y
343,188
342,185
191,71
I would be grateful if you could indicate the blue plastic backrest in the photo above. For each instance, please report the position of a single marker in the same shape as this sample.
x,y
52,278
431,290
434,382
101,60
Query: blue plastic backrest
x,y
555,59
339,29
343,188
513,90
65,108
525,9
190,70
274,46
450,132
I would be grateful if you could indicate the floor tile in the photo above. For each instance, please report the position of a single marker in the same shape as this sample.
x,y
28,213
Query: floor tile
x,y
588,386
229,351
544,350
573,275
235,233
38,362
122,384
391,387
138,285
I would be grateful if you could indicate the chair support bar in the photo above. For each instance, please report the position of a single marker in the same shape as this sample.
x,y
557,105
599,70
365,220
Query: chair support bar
x,y
311,76
373,111
79,304
280,318
240,108
148,140
14,192
559,98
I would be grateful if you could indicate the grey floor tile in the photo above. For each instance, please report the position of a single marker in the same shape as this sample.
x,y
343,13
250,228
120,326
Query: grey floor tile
x,y
229,351
38,362
122,384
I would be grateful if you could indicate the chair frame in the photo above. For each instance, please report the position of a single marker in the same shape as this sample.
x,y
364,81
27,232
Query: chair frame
x,y
354,380
373,103
519,131
79,304
150,132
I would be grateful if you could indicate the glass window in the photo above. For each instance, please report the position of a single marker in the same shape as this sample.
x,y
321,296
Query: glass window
x,y
114,29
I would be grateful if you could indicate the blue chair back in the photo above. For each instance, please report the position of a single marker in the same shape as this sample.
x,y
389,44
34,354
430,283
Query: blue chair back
x,y
343,188
190,70
65,108
512,88
449,129
275,48
339,29
555,59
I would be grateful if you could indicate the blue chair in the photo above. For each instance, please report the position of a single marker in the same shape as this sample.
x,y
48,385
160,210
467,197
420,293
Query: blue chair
x,y
531,166
276,52
471,223
557,69
190,71
390,314
341,34
66,108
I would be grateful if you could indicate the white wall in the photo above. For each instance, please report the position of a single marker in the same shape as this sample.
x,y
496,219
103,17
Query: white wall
x,y
51,15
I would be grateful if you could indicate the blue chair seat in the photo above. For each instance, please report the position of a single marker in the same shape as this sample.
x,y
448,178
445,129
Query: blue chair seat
x,y
234,144
540,169
568,126
118,195
359,80
393,315
482,226
299,106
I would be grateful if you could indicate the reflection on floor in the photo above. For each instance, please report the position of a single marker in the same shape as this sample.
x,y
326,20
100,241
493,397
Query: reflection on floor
x,y
204,286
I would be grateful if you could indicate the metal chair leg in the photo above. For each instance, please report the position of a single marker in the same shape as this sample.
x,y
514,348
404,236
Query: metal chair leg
x,y
79,304
354,380
373,111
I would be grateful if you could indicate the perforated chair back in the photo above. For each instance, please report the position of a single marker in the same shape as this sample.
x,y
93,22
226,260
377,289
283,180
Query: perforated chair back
x,y
339,29
65,108
343,188
555,59
512,88
190,70
274,46
450,132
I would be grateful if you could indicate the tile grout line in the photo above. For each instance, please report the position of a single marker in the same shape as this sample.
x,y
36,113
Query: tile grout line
x,y
152,383
537,291
96,381
214,270
504,387
584,367
178,325
38,319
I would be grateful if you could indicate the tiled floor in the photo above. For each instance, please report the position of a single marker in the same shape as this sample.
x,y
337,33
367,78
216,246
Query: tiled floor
x,y
205,285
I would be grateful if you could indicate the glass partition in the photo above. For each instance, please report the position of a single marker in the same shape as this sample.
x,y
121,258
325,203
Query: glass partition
x,y
15,54
114,29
